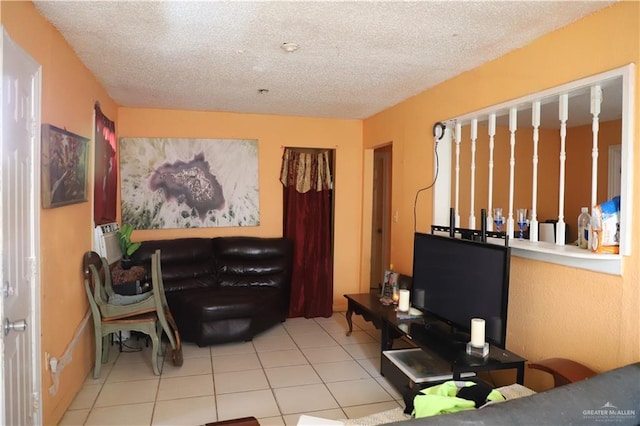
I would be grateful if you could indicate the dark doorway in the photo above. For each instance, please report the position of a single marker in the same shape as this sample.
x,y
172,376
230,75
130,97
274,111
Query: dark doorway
x,y
381,215
307,176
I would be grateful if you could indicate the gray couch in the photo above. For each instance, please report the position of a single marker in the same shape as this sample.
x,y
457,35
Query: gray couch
x,y
612,397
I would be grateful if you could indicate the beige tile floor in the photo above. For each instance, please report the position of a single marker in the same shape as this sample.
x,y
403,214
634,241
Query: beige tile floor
x,y
304,366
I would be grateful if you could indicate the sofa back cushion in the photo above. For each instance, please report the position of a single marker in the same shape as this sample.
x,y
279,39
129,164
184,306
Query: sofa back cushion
x,y
186,262
253,261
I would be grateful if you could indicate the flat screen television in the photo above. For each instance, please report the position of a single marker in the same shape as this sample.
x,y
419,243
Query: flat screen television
x,y
456,280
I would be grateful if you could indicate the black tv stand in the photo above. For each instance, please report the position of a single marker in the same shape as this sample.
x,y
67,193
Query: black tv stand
x,y
439,334
440,339
437,342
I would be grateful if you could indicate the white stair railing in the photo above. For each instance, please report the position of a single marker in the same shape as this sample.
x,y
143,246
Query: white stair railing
x,y
622,80
563,115
457,198
535,122
474,137
492,135
596,101
513,126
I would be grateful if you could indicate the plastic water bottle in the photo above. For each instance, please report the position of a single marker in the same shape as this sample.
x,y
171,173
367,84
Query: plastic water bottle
x,y
584,221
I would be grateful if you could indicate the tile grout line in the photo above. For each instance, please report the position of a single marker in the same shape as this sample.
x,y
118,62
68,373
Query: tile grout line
x,y
370,377
272,389
104,382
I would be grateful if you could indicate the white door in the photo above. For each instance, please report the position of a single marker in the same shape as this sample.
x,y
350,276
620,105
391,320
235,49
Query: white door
x,y
20,206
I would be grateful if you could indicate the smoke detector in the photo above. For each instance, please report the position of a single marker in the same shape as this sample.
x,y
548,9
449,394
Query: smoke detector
x,y
289,47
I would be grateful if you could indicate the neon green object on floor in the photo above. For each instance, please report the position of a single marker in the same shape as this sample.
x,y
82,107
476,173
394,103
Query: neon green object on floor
x,y
442,399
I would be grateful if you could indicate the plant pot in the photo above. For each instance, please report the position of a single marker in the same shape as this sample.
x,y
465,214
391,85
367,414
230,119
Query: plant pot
x,y
126,263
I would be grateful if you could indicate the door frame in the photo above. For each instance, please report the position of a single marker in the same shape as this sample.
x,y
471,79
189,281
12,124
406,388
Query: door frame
x,y
34,394
367,216
614,177
383,173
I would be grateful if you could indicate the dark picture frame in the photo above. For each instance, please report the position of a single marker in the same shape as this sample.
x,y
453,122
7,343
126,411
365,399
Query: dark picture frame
x,y
65,157
391,278
105,170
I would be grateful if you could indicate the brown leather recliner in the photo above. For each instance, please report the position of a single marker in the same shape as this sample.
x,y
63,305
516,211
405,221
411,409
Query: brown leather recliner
x,y
223,289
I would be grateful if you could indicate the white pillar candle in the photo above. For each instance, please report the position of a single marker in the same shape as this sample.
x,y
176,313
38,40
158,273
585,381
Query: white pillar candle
x,y
477,332
403,303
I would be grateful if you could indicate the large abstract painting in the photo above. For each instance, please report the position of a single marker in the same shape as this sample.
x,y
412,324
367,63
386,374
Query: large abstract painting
x,y
189,183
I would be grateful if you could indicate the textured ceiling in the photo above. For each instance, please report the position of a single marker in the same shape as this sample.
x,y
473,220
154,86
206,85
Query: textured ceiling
x,y
355,58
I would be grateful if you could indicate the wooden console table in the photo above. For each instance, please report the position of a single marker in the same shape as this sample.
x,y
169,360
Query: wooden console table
x,y
369,307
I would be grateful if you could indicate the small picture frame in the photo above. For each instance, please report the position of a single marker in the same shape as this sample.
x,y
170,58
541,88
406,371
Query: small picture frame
x,y
64,167
390,278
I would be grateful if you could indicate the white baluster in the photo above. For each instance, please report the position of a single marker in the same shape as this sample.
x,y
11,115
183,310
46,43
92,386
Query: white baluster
x,y
563,115
596,101
474,137
492,134
513,126
535,122
457,201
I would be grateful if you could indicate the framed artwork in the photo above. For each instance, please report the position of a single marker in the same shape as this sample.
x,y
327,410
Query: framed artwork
x,y
105,172
64,167
189,183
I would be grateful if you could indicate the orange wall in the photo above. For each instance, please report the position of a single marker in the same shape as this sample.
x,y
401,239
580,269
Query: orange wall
x,y
554,311
69,92
273,132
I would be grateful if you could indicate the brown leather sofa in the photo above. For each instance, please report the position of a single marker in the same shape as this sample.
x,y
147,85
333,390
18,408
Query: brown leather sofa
x,y
223,289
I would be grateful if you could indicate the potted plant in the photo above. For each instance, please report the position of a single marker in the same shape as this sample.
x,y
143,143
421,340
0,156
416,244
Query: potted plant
x,y
126,245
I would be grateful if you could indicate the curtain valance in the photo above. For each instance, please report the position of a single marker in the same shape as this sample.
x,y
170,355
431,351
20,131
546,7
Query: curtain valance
x,y
305,170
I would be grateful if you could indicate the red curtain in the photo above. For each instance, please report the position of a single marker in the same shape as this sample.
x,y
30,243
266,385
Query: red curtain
x,y
307,221
106,173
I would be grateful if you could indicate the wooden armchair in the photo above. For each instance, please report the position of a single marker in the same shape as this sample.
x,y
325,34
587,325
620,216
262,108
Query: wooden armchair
x,y
564,371
164,314
147,313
